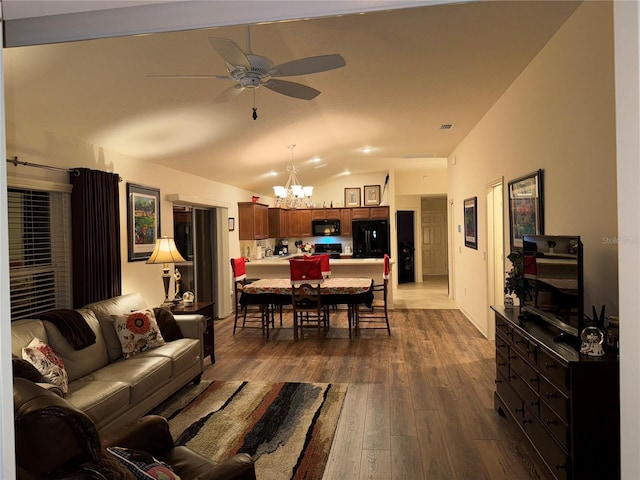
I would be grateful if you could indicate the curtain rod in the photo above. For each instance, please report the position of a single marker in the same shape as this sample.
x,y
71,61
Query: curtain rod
x,y
17,162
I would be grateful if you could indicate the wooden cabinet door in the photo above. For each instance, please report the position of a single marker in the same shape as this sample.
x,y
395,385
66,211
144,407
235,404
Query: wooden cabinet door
x,y
253,221
278,223
360,213
379,212
334,213
319,214
345,221
304,218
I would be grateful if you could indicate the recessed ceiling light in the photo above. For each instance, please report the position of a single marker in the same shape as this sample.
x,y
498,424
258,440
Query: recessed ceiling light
x,y
316,159
366,149
320,165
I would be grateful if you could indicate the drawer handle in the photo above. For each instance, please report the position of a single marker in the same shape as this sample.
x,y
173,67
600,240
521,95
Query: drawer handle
x,y
501,345
534,404
520,341
520,410
513,377
534,379
551,395
549,365
561,466
531,351
552,422
496,381
501,364
511,357
526,420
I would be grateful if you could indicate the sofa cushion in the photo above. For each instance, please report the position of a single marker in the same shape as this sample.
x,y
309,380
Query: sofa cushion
x,y
138,332
47,363
23,331
144,374
104,309
79,362
183,353
99,399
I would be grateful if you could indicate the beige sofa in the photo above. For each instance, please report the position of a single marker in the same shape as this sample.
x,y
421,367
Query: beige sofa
x,y
111,390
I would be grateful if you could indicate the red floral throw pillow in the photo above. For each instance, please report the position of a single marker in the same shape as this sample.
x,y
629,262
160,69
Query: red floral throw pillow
x,y
138,332
41,356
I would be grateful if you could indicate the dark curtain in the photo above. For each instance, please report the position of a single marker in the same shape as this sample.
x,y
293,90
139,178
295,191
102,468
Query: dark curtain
x,y
95,227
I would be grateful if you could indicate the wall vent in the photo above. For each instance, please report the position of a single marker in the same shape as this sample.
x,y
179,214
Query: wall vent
x,y
446,126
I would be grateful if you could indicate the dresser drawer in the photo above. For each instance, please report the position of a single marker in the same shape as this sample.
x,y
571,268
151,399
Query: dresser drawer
x,y
555,399
503,327
558,428
522,388
555,371
528,348
553,454
510,398
502,364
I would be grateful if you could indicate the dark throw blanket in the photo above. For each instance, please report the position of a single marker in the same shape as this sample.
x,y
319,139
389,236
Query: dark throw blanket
x,y
72,326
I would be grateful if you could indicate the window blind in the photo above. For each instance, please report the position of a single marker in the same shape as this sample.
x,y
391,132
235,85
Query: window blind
x,y
39,251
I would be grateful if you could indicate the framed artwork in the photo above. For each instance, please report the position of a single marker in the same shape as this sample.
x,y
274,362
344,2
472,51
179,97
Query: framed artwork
x,y
232,224
143,221
352,197
371,195
471,222
525,208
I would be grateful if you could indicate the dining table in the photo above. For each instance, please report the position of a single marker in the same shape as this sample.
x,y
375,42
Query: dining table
x,y
333,291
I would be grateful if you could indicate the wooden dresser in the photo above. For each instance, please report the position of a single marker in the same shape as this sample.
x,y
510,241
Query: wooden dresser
x,y
567,404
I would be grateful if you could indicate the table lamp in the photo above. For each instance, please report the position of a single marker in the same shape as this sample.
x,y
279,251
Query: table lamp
x,y
165,252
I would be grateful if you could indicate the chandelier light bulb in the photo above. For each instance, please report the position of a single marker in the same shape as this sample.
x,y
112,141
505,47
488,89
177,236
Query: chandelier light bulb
x,y
292,194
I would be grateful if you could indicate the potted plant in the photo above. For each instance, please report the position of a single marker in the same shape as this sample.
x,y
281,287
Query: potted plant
x,y
516,283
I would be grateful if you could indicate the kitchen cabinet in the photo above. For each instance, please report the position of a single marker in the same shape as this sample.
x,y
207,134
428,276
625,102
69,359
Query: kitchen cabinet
x,y
566,404
379,213
278,223
300,223
319,214
253,221
345,221
360,213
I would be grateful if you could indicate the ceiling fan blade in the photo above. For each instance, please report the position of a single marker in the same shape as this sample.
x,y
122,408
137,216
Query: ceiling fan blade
x,y
229,94
292,89
308,65
230,52
220,77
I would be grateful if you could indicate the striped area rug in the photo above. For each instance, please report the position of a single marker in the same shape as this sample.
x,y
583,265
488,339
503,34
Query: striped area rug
x,y
288,428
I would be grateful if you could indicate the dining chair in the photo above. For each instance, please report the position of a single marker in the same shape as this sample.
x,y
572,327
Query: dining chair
x,y
306,280
377,316
251,314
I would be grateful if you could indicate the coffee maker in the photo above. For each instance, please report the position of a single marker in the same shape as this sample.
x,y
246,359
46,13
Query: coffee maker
x,y
282,248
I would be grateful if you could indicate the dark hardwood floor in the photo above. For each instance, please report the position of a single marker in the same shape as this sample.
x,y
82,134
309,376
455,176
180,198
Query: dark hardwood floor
x,y
419,403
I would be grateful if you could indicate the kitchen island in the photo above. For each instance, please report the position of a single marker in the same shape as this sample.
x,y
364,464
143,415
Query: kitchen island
x,y
345,267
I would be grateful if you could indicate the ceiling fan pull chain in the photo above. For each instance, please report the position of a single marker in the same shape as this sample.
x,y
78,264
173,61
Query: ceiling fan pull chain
x,y
255,110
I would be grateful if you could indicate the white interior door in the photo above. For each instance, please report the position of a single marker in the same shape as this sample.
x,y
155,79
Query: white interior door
x,y
434,243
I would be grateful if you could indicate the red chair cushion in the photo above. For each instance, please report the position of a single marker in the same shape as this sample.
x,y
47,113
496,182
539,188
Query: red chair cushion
x,y
305,269
239,269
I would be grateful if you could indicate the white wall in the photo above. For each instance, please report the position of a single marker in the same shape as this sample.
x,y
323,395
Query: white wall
x,y
559,116
48,149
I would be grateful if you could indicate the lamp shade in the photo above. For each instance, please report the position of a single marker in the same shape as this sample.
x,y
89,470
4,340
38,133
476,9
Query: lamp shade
x,y
165,251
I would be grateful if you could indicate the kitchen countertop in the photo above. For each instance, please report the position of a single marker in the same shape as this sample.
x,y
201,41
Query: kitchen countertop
x,y
347,260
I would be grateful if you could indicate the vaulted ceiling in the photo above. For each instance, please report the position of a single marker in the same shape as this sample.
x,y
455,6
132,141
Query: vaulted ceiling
x,y
408,72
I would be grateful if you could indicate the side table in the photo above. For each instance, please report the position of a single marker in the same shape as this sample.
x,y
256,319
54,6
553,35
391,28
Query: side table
x,y
206,310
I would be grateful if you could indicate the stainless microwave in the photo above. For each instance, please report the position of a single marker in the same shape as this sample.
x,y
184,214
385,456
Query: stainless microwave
x,y
325,228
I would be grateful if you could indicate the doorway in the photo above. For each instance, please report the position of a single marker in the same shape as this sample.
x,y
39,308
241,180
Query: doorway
x,y
495,251
194,230
405,240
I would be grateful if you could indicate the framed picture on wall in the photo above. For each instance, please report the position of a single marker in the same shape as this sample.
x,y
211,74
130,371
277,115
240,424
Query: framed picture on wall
x,y
352,197
371,195
471,222
143,221
525,208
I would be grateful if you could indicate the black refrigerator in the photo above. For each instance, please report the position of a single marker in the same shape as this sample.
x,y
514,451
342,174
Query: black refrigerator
x,y
370,238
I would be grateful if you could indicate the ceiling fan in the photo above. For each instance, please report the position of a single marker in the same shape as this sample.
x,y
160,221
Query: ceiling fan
x,y
249,70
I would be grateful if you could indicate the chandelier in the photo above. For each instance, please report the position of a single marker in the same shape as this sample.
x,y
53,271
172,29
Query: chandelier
x,y
292,195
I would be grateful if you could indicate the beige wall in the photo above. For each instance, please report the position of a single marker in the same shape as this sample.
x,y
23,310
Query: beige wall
x,y
559,116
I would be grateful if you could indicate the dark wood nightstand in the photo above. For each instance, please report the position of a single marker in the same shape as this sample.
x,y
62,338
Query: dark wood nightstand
x,y
206,310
